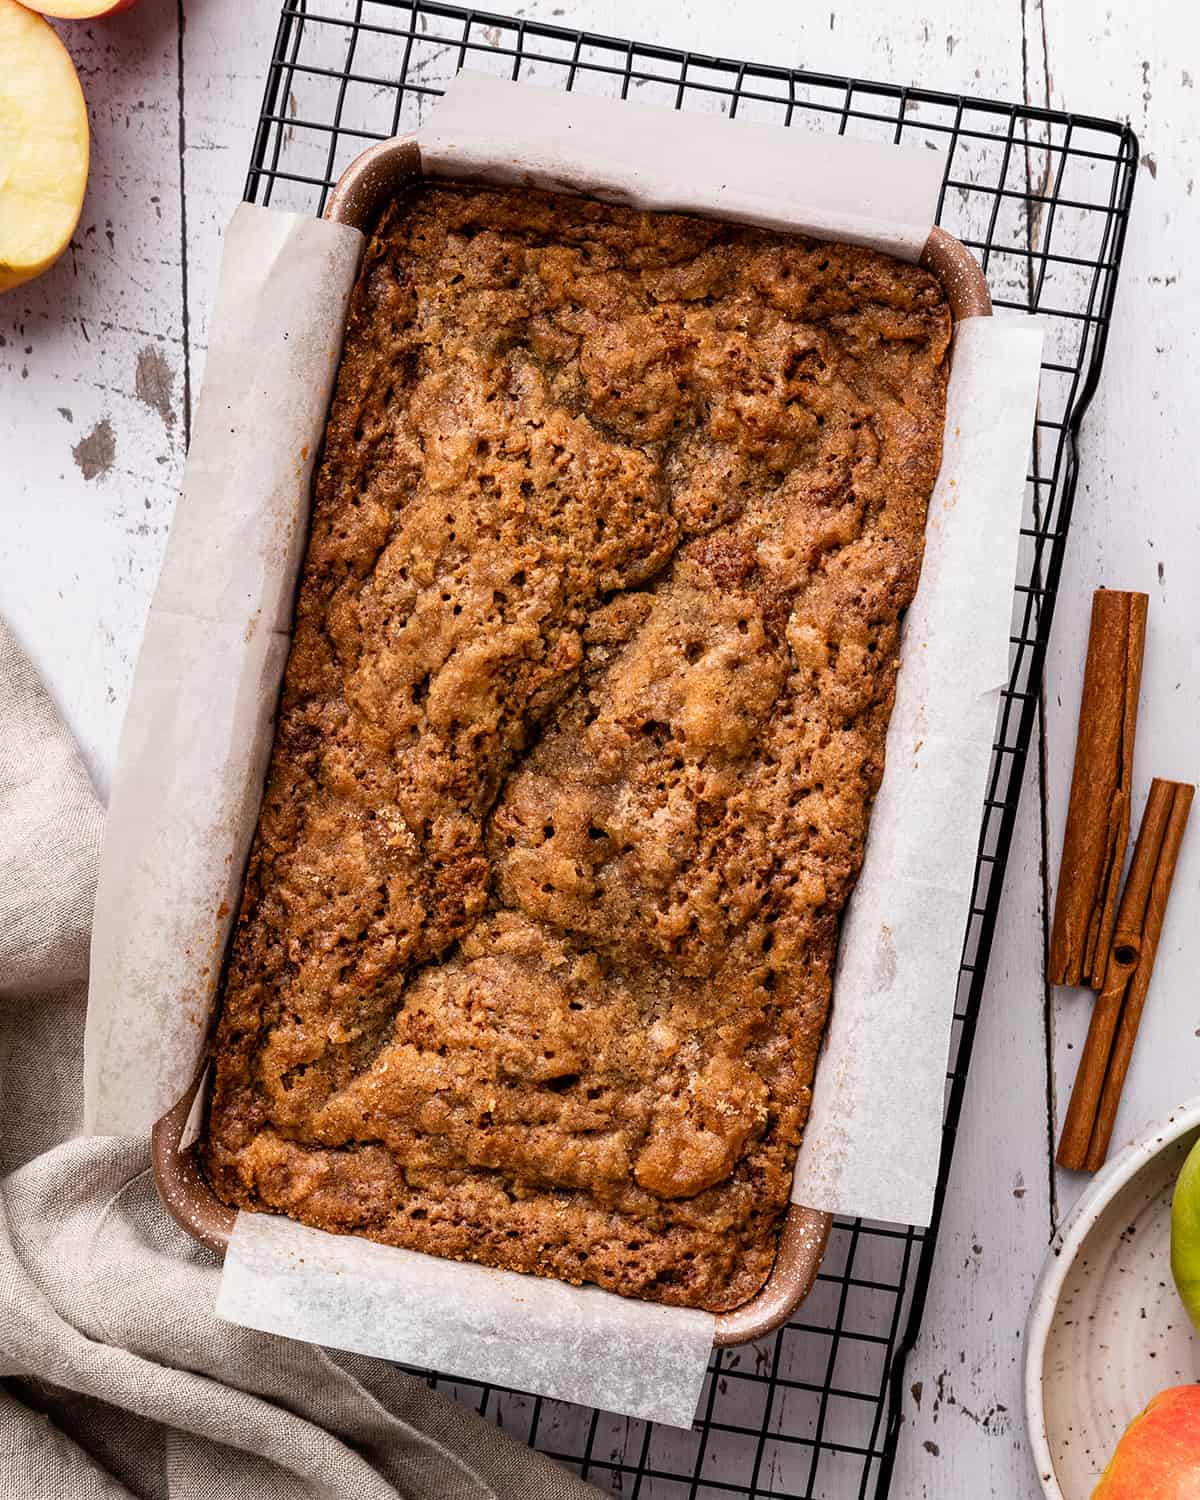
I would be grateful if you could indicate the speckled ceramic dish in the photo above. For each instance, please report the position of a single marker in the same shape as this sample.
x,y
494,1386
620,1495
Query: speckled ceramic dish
x,y
1106,1329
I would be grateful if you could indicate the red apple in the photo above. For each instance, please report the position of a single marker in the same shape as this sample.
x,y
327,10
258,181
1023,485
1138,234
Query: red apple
x,y
80,10
1158,1457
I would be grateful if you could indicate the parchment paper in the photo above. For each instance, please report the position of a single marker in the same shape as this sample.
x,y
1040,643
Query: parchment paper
x,y
834,187
874,1135
197,732
574,1343
189,775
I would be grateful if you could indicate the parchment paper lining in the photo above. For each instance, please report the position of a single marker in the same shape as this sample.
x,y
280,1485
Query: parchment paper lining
x,y
874,1135
574,1343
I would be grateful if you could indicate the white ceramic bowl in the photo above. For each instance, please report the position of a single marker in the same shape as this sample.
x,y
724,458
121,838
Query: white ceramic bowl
x,y
1106,1330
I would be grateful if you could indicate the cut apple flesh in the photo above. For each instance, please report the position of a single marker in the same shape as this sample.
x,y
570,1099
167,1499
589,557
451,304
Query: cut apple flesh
x,y
80,10
43,145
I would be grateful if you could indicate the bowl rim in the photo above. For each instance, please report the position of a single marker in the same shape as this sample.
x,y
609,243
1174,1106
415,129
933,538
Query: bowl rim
x,y
1063,1251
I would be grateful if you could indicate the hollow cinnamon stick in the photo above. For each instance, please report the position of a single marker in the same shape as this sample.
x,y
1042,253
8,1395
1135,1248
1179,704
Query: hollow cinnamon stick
x,y
1097,830
1122,962
1139,984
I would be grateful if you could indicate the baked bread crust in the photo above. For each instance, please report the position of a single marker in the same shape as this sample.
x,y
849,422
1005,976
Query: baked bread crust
x,y
594,655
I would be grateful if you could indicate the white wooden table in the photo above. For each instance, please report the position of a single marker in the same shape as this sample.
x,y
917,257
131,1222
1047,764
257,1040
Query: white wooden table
x,y
100,361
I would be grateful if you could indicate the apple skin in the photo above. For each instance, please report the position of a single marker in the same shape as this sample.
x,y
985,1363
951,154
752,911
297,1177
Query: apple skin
x,y
79,10
1185,1234
1158,1457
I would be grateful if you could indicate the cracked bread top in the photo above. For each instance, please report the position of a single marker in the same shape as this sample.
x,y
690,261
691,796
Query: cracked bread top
x,y
594,654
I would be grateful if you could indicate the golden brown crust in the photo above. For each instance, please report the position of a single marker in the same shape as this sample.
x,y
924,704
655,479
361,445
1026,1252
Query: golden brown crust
x,y
594,655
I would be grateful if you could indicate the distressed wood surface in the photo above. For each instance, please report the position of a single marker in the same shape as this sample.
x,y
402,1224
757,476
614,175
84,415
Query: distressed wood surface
x,y
101,358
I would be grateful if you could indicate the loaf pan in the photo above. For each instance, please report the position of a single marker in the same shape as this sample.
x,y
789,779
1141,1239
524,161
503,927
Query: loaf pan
x,y
356,199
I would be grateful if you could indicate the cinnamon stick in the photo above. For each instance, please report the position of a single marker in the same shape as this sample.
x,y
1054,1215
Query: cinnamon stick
x,y
1139,984
1122,963
1097,830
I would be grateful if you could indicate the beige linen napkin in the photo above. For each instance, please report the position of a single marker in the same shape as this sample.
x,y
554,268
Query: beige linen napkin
x,y
115,1378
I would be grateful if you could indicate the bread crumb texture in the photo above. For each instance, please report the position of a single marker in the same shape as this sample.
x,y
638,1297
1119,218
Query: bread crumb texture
x,y
594,654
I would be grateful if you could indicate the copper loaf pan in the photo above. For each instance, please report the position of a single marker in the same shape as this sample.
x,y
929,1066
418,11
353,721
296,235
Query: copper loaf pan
x,y
356,199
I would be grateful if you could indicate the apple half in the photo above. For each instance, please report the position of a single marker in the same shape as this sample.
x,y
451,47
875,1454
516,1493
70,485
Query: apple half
x,y
80,10
43,145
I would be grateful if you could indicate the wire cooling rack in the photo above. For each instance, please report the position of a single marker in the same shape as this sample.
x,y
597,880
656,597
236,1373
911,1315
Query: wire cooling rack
x,y
1042,198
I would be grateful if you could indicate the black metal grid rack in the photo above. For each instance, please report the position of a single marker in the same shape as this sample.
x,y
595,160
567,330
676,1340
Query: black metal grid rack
x,y
1043,199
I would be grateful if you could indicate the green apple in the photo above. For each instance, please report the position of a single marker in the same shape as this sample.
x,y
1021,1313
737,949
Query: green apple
x,y
1185,1234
